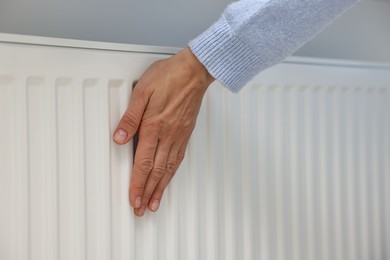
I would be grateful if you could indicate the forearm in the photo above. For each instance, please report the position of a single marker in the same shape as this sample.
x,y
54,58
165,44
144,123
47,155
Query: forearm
x,y
253,35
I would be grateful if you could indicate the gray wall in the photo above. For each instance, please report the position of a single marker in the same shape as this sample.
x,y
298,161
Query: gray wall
x,y
362,33
151,22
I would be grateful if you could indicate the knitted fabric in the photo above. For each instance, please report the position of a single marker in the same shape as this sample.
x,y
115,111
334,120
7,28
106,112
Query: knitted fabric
x,y
252,35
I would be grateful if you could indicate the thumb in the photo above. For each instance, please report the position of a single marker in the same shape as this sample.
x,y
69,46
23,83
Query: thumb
x,y
130,121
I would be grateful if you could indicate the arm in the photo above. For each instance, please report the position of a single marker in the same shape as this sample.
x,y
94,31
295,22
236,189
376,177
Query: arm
x,y
253,35
250,36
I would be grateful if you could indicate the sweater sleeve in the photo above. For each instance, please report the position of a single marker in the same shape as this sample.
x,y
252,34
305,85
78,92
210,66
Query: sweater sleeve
x,y
252,35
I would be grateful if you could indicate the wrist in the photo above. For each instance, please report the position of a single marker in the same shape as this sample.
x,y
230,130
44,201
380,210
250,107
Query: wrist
x,y
197,69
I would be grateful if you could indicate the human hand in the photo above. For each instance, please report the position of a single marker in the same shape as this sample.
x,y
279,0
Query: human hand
x,y
163,108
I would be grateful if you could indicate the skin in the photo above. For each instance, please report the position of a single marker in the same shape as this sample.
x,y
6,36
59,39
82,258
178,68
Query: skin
x,y
163,108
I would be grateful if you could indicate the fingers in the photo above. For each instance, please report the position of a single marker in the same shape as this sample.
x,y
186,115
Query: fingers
x,y
163,157
158,171
131,120
175,159
160,176
143,165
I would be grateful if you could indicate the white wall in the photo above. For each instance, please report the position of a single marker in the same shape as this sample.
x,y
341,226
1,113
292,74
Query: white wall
x,y
362,33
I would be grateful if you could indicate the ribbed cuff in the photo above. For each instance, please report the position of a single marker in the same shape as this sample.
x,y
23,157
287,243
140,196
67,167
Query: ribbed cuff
x,y
228,60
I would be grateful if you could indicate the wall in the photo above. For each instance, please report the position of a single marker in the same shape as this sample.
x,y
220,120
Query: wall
x,y
362,33
151,22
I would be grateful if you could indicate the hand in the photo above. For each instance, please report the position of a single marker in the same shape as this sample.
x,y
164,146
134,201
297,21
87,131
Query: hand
x,y
163,108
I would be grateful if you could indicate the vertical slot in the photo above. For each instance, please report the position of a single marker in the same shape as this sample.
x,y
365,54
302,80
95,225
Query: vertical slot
x,y
286,168
214,162
36,163
96,185
8,246
203,176
314,170
70,178
270,157
345,154
308,168
248,175
263,167
279,176
362,145
295,114
120,162
374,173
230,170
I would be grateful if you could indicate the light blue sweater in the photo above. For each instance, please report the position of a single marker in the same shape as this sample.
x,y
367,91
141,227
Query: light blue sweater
x,y
252,35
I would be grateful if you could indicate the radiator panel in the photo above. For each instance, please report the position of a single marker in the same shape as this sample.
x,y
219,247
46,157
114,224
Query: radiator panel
x,y
296,166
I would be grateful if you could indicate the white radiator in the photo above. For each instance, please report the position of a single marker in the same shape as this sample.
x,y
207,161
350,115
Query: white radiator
x,y
296,166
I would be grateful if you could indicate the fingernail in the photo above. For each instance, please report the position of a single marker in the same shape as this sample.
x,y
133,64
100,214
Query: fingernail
x,y
120,135
137,202
155,205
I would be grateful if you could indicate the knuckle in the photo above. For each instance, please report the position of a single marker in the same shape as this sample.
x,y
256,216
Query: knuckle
x,y
153,125
158,172
130,119
170,167
145,166
139,187
171,136
147,196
